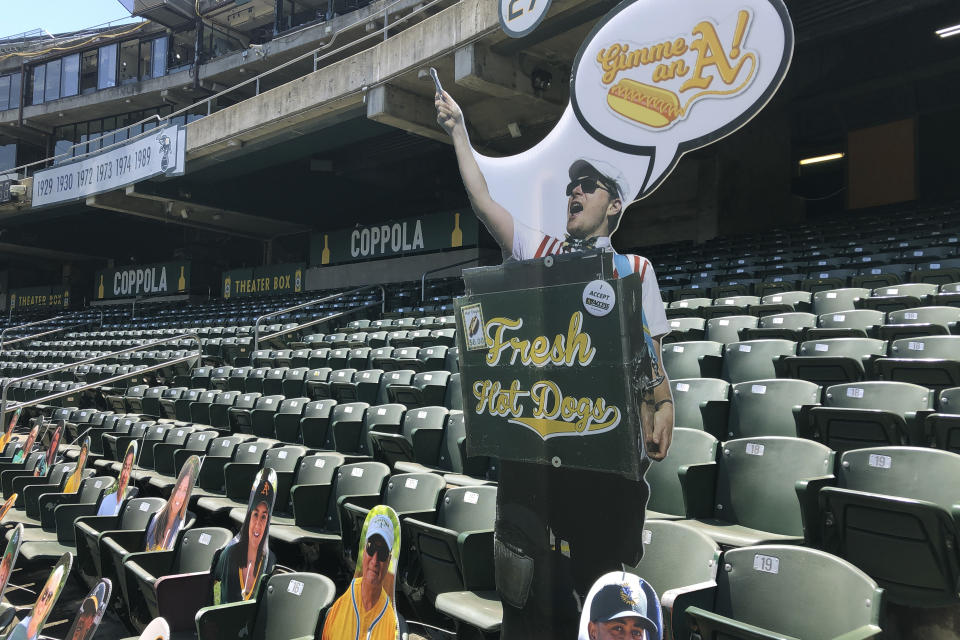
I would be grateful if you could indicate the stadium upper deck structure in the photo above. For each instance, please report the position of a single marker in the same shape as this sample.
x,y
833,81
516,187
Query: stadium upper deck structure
x,y
797,296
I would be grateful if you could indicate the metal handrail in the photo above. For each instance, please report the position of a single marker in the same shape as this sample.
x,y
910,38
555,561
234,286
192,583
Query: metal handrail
x,y
256,325
255,79
24,326
46,372
45,333
332,316
423,278
91,385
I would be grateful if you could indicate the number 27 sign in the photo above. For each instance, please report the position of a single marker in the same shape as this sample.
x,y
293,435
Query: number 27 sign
x,y
520,17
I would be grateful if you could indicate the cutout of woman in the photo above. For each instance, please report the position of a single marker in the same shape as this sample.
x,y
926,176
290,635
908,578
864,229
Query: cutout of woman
x,y
110,504
73,482
246,559
162,530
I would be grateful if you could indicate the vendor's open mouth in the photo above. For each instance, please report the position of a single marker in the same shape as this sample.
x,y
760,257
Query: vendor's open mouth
x,y
576,207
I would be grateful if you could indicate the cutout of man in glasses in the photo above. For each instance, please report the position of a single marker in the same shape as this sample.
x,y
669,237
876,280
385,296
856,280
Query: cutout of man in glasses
x,y
366,610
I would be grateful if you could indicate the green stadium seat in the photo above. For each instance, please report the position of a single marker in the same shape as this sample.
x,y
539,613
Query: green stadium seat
x,y
754,359
421,430
773,407
919,321
346,429
893,513
858,323
315,506
758,589
89,530
685,329
315,424
727,329
689,447
173,584
785,326
700,403
873,413
288,608
698,359
834,360
749,496
931,361
454,552
837,300
286,421
663,542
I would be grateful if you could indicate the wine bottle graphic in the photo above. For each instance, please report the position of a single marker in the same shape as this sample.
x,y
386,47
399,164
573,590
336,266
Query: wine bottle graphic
x,y
100,289
456,238
325,255
182,282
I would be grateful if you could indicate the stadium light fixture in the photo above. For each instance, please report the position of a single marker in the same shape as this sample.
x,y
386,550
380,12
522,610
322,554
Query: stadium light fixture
x,y
818,159
946,32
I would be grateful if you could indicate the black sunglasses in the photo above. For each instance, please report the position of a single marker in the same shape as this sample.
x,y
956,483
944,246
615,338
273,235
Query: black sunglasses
x,y
378,549
587,185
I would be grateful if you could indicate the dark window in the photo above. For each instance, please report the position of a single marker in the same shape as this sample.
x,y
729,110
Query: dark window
x,y
129,66
15,91
53,81
4,92
146,60
39,73
88,71
107,67
70,85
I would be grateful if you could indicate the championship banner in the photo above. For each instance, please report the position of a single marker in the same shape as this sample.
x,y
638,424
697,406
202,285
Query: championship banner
x,y
270,280
53,297
135,281
423,234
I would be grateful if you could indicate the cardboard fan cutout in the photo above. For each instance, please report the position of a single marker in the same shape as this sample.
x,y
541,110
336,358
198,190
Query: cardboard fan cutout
x,y
46,463
245,560
8,434
118,492
22,454
76,476
652,81
30,627
163,528
158,629
9,559
91,612
621,605
368,608
7,506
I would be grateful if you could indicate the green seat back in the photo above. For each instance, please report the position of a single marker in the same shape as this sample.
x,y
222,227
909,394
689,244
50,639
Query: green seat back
x,y
290,605
851,319
726,329
895,397
682,359
931,315
689,446
833,300
753,359
795,591
792,320
663,542
857,348
756,480
688,393
917,473
766,407
197,547
942,347
412,492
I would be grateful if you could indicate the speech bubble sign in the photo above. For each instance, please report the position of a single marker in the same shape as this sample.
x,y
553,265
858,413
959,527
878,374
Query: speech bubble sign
x,y
663,78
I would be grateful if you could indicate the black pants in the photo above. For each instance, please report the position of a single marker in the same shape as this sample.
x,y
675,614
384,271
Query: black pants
x,y
599,515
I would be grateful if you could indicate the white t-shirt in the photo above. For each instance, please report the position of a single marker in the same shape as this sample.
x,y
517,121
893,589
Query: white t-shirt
x,y
529,243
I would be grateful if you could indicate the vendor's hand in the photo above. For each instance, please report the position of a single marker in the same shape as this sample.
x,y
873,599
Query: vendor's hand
x,y
449,115
658,431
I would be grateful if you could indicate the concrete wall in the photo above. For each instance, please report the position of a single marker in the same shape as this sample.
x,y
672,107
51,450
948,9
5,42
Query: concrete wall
x,y
391,270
